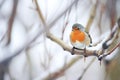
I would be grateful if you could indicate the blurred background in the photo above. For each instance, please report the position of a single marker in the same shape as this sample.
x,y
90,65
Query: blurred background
x,y
27,53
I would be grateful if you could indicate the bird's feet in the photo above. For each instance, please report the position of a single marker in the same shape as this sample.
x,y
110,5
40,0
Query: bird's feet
x,y
85,55
73,51
77,49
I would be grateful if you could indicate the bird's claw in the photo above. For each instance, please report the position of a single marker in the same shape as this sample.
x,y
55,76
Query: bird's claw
x,y
85,54
73,51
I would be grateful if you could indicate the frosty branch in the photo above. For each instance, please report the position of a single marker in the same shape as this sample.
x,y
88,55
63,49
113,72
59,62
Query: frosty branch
x,y
99,53
104,45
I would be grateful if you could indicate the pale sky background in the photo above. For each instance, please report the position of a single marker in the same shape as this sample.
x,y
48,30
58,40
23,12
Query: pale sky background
x,y
47,56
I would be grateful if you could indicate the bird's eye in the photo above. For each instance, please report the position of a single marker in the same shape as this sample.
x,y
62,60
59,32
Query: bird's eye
x,y
75,28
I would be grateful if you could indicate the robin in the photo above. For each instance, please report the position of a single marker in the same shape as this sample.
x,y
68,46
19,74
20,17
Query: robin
x,y
79,38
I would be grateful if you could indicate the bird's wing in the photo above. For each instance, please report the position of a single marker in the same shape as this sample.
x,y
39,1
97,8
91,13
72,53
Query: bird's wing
x,y
87,40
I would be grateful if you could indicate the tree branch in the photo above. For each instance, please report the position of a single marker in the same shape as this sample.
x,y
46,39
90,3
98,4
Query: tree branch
x,y
88,52
92,16
11,20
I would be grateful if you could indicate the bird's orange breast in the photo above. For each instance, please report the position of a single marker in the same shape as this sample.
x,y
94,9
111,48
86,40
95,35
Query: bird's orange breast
x,y
77,35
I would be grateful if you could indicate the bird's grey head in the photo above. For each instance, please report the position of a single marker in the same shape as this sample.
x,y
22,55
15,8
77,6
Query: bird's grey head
x,y
79,26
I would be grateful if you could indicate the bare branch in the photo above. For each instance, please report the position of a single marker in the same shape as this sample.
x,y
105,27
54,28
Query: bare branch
x,y
41,16
68,48
88,52
65,25
3,37
102,10
110,52
62,13
111,36
57,40
111,7
92,16
11,20
50,25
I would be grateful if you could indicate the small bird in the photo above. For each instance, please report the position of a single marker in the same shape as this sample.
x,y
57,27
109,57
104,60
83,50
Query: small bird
x,y
79,37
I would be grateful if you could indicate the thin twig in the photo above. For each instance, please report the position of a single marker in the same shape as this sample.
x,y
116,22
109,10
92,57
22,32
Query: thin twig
x,y
64,27
62,13
40,13
8,58
3,37
41,16
102,10
29,63
110,52
60,42
114,48
50,24
11,21
111,11
92,16
88,52
111,36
